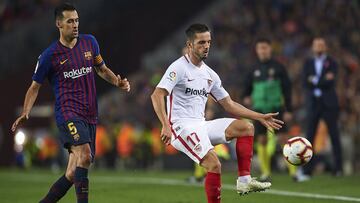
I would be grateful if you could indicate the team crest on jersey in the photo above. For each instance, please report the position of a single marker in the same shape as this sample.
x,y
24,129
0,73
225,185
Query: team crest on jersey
x,y
209,82
172,76
87,55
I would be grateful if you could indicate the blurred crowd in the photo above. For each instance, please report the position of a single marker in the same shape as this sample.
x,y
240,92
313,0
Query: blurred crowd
x,y
291,25
14,11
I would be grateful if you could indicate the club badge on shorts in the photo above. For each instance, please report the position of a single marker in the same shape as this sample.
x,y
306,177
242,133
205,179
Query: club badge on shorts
x,y
76,137
198,148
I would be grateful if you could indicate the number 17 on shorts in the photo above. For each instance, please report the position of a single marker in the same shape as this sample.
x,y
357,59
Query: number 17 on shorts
x,y
193,141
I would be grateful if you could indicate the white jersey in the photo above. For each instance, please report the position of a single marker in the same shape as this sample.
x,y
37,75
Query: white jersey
x,y
189,87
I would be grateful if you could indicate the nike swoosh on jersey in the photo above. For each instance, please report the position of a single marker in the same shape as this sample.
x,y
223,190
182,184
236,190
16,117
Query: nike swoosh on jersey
x,y
189,80
62,62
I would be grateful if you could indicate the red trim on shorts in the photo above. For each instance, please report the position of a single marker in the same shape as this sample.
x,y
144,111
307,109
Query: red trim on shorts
x,y
188,148
185,145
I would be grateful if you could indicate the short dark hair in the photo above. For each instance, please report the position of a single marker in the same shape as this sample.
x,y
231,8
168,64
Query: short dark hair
x,y
263,40
196,28
63,7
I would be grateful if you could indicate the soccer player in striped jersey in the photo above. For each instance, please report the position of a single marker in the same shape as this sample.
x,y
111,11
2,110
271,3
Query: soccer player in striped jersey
x,y
187,83
69,64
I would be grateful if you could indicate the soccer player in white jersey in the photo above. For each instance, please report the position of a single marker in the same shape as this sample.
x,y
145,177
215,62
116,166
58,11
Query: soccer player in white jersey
x,y
187,83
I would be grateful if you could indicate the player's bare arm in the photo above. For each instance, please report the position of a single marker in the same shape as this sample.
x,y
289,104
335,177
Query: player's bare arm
x,y
105,73
30,98
239,110
158,102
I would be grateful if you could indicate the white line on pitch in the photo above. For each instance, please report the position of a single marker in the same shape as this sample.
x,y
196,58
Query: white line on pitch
x,y
163,181
160,181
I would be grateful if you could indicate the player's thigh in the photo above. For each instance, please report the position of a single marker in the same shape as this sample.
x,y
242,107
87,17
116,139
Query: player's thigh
x,y
216,130
78,137
192,140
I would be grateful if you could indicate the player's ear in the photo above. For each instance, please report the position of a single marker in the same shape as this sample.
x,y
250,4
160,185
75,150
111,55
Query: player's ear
x,y
58,23
188,43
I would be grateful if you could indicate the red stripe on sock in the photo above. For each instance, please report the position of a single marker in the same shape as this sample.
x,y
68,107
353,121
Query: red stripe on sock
x,y
244,152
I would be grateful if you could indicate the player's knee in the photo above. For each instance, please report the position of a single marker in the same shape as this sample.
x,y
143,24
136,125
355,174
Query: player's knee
x,y
214,166
245,128
250,129
69,174
211,162
84,159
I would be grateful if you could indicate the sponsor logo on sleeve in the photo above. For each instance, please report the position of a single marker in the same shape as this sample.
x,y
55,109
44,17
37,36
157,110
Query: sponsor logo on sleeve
x,y
172,76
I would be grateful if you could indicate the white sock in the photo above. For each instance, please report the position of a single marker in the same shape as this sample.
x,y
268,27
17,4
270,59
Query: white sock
x,y
244,179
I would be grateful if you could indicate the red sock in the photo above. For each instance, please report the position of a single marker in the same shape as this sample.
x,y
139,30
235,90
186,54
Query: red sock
x,y
244,152
213,187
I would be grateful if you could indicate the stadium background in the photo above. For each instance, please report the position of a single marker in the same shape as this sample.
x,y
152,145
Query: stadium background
x,y
139,39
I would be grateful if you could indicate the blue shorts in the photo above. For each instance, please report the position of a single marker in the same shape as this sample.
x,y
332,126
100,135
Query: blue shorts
x,y
78,132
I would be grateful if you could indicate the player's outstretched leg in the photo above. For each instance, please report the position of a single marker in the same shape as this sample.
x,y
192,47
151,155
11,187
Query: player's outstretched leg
x,y
63,184
213,178
243,131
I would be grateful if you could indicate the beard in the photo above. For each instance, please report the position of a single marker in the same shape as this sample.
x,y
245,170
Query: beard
x,y
203,56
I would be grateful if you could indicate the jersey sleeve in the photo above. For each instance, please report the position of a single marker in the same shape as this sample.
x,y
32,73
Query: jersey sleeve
x,y
218,91
42,68
171,77
98,60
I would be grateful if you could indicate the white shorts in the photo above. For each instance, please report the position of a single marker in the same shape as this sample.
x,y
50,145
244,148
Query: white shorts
x,y
196,138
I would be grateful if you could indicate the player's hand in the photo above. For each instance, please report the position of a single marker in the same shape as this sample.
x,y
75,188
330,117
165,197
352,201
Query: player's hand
x,y
19,121
270,122
287,116
123,83
166,134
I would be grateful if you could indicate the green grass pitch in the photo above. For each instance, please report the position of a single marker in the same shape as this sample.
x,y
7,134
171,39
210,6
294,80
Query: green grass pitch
x,y
25,186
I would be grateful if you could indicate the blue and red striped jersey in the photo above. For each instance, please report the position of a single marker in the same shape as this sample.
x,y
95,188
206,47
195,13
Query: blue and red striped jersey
x,y
71,75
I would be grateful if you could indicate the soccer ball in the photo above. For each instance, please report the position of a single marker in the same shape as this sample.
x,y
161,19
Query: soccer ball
x,y
298,151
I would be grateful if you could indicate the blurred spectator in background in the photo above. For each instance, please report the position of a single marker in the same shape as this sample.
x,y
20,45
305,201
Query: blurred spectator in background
x,y
319,79
268,89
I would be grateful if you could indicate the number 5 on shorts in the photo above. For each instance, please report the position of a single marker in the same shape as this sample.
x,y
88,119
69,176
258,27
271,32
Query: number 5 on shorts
x,y
72,128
